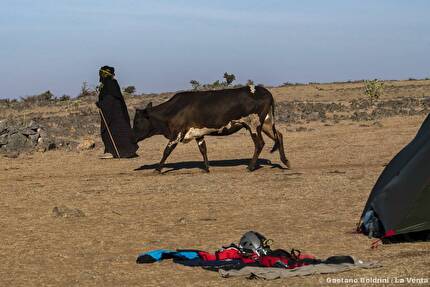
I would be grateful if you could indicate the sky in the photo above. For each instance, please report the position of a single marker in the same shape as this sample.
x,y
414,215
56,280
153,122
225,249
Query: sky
x,y
160,45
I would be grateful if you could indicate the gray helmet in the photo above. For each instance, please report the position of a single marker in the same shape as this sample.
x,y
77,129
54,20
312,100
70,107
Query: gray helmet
x,y
253,242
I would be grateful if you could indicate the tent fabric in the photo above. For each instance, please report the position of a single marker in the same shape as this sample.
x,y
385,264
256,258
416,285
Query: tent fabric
x,y
401,195
276,273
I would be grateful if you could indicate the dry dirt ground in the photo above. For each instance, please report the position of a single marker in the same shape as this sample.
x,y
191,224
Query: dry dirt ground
x,y
129,209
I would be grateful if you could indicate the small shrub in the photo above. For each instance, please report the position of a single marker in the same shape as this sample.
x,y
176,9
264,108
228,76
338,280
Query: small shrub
x,y
5,102
64,98
373,89
85,90
229,78
41,98
130,90
216,85
195,84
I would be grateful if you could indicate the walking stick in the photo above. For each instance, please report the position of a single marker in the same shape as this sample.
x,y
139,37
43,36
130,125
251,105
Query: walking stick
x,y
110,135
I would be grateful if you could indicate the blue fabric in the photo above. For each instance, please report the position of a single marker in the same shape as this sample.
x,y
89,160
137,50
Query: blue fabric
x,y
161,254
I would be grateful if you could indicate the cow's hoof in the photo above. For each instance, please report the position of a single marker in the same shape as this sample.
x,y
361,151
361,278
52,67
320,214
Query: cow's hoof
x,y
205,170
157,171
250,168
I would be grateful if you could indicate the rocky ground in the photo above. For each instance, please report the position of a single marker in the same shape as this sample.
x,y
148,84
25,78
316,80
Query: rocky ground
x,y
16,137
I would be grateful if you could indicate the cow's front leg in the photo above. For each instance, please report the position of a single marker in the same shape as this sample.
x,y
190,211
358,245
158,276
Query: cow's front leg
x,y
169,148
202,147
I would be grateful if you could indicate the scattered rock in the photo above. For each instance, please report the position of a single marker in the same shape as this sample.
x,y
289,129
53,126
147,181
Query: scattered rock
x,y
17,142
27,131
11,155
3,126
337,171
304,129
314,116
3,139
18,137
46,144
34,137
86,144
301,129
182,221
67,145
42,133
33,125
208,219
64,211
378,124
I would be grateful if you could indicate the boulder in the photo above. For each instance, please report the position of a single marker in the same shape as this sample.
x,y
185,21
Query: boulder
x,y
46,144
34,138
16,136
18,141
42,133
3,139
27,131
33,125
3,126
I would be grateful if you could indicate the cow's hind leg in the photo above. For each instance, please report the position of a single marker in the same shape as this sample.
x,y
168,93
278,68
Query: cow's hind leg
x,y
270,130
169,148
202,147
259,144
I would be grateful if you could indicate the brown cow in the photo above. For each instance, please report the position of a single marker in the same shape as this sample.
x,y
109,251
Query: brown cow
x,y
193,115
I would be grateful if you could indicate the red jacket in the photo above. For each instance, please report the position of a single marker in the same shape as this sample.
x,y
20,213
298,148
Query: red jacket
x,y
232,252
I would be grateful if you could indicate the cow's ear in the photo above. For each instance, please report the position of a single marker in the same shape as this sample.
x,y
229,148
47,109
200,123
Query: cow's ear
x,y
149,106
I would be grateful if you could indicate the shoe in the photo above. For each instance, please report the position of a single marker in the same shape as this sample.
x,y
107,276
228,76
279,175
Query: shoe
x,y
106,156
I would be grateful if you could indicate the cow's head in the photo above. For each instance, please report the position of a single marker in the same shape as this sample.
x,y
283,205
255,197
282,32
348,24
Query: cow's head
x,y
142,124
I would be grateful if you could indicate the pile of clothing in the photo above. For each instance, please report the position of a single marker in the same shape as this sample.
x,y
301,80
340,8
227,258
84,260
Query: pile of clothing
x,y
252,256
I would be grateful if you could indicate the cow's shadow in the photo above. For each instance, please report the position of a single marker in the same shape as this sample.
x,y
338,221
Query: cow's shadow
x,y
168,167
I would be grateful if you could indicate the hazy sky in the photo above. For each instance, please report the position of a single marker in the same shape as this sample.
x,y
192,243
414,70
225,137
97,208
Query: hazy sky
x,y
161,45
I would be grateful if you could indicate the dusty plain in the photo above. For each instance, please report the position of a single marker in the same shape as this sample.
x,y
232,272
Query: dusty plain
x,y
129,209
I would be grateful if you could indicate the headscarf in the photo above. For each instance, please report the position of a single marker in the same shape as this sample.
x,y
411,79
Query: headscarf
x,y
106,72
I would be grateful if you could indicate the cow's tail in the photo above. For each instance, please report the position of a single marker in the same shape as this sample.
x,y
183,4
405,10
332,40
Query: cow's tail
x,y
275,132
279,142
270,130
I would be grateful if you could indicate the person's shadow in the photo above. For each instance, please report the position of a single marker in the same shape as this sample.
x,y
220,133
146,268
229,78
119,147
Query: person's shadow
x,y
212,163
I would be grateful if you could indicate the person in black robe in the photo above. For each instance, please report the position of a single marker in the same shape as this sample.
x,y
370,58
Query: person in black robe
x,y
114,110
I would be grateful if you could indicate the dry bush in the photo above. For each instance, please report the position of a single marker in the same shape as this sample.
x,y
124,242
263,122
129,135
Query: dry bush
x,y
373,89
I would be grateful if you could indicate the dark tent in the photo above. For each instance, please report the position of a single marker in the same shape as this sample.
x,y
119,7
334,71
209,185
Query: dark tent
x,y
399,204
